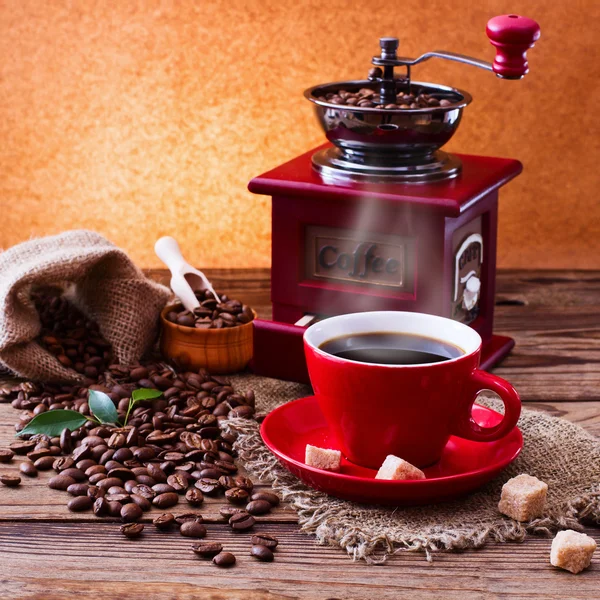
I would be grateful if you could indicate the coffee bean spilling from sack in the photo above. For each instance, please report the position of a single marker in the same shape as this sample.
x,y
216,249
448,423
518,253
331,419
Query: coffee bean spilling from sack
x,y
171,449
70,336
212,314
367,98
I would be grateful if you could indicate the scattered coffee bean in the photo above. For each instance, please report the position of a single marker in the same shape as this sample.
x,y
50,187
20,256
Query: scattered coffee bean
x,y
114,509
241,521
6,455
44,464
164,522
264,539
210,487
140,501
207,549
10,480
80,503
132,530
78,489
60,482
237,496
272,499
28,469
262,553
131,512
258,507
166,500
101,507
224,559
22,447
192,529
194,496
228,511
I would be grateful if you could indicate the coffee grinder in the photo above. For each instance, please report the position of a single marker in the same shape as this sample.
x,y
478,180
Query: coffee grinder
x,y
380,218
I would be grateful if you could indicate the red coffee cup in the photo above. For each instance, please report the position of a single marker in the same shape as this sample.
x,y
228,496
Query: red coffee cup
x,y
409,411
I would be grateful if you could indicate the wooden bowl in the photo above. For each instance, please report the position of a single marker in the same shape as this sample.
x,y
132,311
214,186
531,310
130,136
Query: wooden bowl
x,y
220,351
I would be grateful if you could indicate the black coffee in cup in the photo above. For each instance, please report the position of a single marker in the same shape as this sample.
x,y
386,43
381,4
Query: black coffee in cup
x,y
390,348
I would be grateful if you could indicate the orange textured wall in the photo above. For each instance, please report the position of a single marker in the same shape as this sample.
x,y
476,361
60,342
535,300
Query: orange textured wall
x,y
144,118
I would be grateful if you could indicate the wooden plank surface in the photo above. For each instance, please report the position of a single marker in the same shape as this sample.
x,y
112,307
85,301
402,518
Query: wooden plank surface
x,y
47,552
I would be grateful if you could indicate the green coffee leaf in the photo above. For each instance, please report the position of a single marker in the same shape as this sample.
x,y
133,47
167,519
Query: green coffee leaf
x,y
145,394
102,407
53,422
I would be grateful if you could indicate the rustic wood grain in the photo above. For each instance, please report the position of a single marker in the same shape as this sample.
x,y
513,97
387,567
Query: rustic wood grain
x,y
97,557
48,553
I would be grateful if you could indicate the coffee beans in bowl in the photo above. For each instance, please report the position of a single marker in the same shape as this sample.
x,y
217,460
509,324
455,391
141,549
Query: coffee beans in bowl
x,y
217,336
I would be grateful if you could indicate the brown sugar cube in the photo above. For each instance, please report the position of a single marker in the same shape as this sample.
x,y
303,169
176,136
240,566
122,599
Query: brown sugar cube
x,y
523,498
396,468
572,551
321,458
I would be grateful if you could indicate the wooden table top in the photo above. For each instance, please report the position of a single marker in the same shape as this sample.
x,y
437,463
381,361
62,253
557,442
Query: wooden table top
x,y
47,552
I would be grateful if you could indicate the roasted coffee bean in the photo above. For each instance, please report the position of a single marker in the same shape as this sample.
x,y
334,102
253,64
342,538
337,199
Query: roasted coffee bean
x,y
207,549
44,464
208,486
241,521
132,530
272,499
22,447
10,480
116,489
264,539
164,521
131,512
142,502
144,454
192,529
108,482
157,473
101,507
166,500
66,443
261,552
95,469
194,496
95,492
123,454
178,482
6,455
78,489
62,463
207,474
258,507
237,496
121,473
86,464
163,488
185,517
60,482
122,498
228,511
80,503
76,474
245,483
97,478
114,509
224,559
28,469
35,454
129,485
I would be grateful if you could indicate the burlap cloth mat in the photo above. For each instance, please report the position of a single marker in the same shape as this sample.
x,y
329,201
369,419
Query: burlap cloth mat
x,y
560,453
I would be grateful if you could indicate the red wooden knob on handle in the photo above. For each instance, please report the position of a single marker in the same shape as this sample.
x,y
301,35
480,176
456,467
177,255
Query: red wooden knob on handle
x,y
512,35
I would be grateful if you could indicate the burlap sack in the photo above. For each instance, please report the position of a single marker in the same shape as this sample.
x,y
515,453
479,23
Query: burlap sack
x,y
560,453
99,278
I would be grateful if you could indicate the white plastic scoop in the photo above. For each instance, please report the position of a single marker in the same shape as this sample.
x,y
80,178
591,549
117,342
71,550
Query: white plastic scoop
x,y
184,278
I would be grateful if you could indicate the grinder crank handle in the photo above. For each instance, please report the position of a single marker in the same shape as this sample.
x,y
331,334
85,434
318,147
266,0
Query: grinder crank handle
x,y
512,35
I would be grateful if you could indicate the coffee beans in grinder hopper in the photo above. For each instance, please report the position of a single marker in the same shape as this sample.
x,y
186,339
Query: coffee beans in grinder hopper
x,y
170,449
212,314
368,98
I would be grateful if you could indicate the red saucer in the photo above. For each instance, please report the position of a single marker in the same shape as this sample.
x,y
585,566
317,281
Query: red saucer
x,y
463,467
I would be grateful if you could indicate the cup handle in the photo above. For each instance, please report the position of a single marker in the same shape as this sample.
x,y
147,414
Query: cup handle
x,y
467,427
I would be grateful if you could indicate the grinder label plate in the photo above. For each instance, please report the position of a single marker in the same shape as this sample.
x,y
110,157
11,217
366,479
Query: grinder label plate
x,y
468,259
358,257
